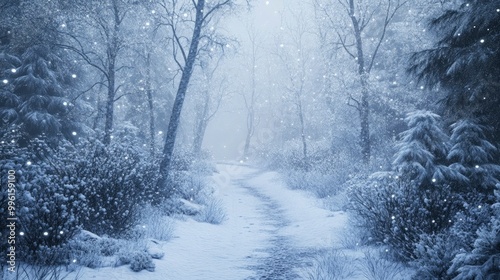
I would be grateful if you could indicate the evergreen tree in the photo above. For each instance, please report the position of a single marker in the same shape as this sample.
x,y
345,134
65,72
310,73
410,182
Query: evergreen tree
x,y
465,61
8,100
472,155
484,260
422,150
36,97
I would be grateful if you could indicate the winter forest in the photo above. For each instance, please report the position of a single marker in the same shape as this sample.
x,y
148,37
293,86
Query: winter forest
x,y
250,139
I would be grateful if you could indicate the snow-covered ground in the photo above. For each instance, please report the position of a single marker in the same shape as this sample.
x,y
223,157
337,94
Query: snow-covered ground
x,y
270,233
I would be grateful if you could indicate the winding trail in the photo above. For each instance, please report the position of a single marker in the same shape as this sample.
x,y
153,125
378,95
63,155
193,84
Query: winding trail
x,y
292,225
270,232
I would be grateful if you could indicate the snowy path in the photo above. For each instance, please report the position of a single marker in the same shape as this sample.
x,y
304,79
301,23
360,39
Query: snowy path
x,y
269,233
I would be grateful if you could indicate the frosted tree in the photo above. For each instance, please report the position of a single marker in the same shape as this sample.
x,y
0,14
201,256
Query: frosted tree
x,y
250,98
98,34
472,155
34,75
465,61
187,22
295,55
37,98
373,17
213,90
484,260
422,150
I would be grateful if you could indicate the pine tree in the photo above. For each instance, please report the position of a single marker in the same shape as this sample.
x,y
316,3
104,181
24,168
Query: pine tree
x,y
465,61
422,150
484,260
36,96
8,100
472,156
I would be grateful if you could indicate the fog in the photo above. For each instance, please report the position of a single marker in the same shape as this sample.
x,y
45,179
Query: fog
x,y
225,136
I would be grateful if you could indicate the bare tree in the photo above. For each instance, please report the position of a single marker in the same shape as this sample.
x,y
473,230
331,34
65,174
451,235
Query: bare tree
x,y
214,90
295,58
350,35
104,24
250,100
175,15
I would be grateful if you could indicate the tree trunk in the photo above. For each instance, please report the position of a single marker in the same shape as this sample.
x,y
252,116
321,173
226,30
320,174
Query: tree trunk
x,y
112,52
303,134
364,114
251,103
98,117
179,98
149,92
108,125
364,107
201,126
250,131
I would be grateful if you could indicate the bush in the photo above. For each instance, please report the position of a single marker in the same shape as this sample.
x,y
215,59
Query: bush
x,y
157,225
435,253
213,212
47,200
61,187
376,268
396,213
324,174
483,262
141,260
116,184
330,265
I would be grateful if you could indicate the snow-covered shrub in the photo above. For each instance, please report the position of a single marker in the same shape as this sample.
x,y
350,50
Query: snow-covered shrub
x,y
213,212
187,185
321,184
350,238
186,180
85,252
483,262
116,183
330,265
27,271
397,207
141,260
108,246
434,254
376,267
395,212
326,171
47,200
157,225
